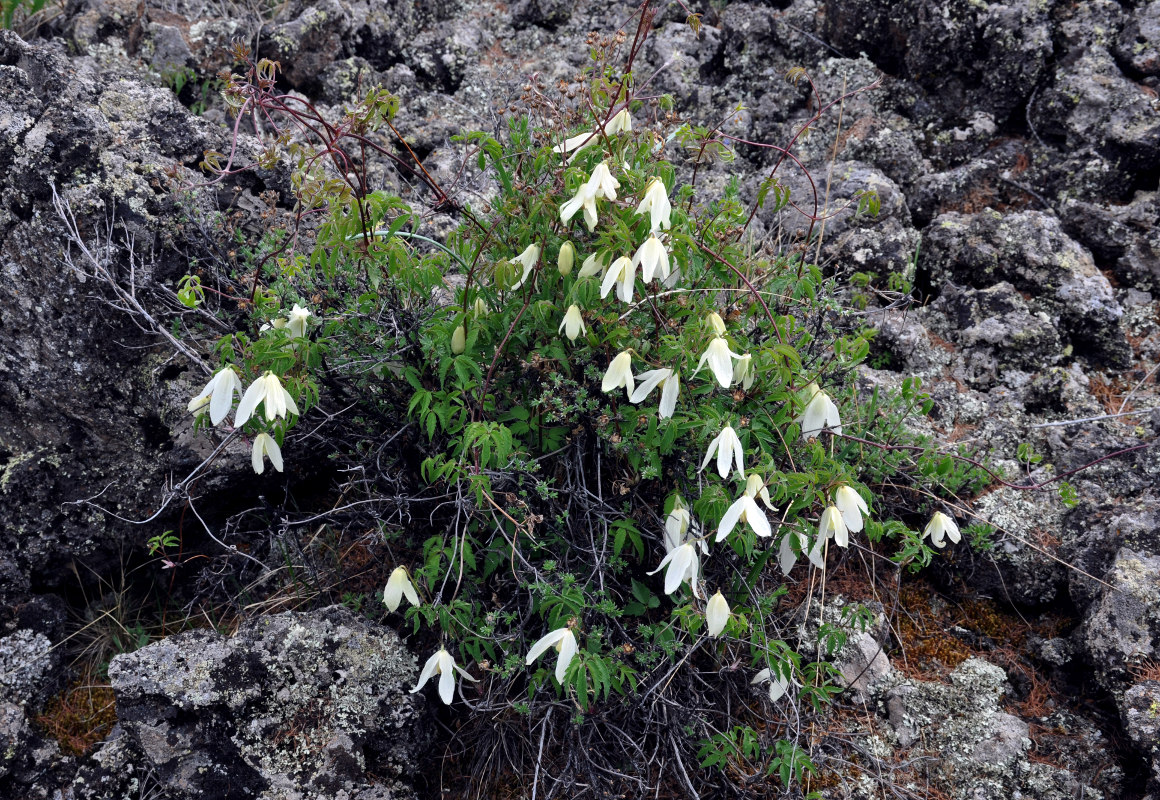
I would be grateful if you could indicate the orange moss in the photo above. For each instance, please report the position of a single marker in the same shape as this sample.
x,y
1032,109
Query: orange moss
x,y
81,716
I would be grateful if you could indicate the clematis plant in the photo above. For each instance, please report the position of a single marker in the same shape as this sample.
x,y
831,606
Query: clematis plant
x,y
684,565
655,203
619,374
443,665
728,448
719,357
941,525
820,413
716,614
219,394
268,391
670,383
565,643
399,586
265,446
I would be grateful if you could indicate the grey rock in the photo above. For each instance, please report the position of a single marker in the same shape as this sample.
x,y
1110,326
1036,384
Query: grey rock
x,y
1140,712
966,55
1091,103
293,705
1124,627
1138,45
27,659
1030,251
549,14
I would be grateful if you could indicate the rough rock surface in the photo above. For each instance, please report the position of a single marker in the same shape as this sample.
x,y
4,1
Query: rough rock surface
x,y
295,705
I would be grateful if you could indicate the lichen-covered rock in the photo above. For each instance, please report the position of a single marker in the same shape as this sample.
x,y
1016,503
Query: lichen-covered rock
x,y
1138,45
1123,629
1091,103
1140,712
986,56
293,705
1029,250
977,749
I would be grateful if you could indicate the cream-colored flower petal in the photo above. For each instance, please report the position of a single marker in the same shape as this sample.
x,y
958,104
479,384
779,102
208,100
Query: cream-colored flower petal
x,y
716,614
852,506
670,389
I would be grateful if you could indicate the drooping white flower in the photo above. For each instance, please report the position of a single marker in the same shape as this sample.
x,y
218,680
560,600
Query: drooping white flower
x,y
743,372
619,374
264,445
399,586
573,324
277,324
653,259
683,565
580,140
655,203
602,183
941,524
299,317
443,665
716,614
716,323
820,413
566,258
852,506
621,122
585,200
219,393
719,357
677,524
527,260
831,525
670,383
269,391
622,275
728,448
755,487
565,643
593,265
778,685
786,556
744,509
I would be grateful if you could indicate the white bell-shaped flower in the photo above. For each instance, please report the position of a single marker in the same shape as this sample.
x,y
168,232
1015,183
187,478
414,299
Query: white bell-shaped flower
x,y
744,509
219,393
399,586
298,320
655,203
727,446
743,372
683,565
716,614
831,525
264,445
602,183
527,260
677,525
580,140
778,685
670,383
852,506
565,643
619,374
621,122
653,259
269,391
820,413
720,360
941,525
443,665
622,275
584,200
786,555
755,487
573,324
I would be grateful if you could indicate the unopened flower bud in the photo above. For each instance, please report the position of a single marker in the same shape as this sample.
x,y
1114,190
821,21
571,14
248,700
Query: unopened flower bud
x,y
716,323
459,341
566,259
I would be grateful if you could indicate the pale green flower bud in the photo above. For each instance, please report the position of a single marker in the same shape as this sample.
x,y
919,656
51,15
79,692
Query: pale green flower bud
x,y
459,341
566,259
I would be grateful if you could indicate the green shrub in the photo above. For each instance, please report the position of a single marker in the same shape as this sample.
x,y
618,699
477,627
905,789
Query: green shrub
x,y
635,426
